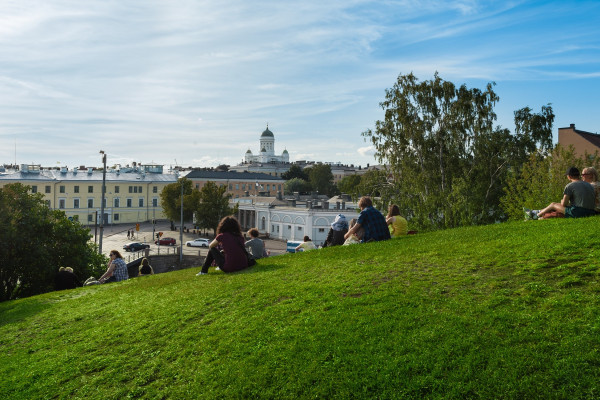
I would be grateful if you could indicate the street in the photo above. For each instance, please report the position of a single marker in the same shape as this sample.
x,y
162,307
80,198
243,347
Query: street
x,y
115,236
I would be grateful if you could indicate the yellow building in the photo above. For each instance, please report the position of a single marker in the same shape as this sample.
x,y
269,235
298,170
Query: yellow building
x,y
132,194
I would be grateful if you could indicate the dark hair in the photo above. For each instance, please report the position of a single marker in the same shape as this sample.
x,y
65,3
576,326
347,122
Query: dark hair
x,y
365,202
116,253
231,225
253,232
393,210
573,172
306,239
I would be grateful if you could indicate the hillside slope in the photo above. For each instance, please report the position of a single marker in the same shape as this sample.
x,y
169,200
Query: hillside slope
x,y
504,311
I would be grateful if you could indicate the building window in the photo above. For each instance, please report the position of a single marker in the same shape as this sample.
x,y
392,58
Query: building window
x,y
34,189
90,217
140,189
75,203
321,229
243,186
141,202
116,189
197,186
116,203
61,204
237,186
299,228
263,223
289,227
116,217
76,189
104,202
129,203
130,189
90,203
155,189
61,188
155,202
48,189
90,189
231,186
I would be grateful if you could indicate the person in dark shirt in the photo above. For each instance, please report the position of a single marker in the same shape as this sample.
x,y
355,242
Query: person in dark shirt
x,y
66,279
372,221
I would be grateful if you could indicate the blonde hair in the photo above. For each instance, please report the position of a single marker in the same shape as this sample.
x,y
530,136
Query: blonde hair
x,y
591,170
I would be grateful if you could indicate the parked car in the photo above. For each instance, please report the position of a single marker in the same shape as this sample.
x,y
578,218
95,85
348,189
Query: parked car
x,y
200,242
165,241
135,246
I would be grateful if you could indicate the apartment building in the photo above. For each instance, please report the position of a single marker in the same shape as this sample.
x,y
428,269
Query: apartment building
x,y
132,195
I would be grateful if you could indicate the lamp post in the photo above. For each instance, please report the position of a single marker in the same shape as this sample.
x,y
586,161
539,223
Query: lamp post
x,y
181,228
102,201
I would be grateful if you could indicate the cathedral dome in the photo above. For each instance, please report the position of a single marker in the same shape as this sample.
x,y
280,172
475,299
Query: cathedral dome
x,y
249,152
267,133
285,151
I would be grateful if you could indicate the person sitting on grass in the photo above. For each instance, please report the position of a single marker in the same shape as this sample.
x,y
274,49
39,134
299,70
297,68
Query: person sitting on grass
x,y
397,224
256,245
66,279
579,200
306,245
371,220
590,175
145,268
233,256
335,236
357,236
117,269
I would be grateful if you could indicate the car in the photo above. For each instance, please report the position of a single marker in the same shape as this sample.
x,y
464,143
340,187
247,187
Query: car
x,y
200,242
165,241
135,246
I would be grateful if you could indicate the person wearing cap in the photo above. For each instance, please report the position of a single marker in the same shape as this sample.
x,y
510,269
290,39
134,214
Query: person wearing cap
x,y
579,199
338,229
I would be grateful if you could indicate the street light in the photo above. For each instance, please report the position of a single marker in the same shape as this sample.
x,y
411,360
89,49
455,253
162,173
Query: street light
x,y
102,201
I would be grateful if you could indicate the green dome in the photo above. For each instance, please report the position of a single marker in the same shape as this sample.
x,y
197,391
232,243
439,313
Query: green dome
x,y
285,151
267,133
249,152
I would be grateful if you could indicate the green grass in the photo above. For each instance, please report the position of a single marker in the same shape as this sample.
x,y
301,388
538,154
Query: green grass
x,y
505,311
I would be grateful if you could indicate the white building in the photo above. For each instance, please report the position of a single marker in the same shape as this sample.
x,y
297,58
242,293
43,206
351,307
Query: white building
x,y
292,219
267,151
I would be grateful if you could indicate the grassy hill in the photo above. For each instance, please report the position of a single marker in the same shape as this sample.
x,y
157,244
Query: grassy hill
x,y
503,311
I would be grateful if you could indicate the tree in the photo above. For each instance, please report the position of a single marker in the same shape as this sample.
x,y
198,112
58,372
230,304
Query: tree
x,y
30,255
170,198
321,179
447,160
296,185
213,205
294,172
349,185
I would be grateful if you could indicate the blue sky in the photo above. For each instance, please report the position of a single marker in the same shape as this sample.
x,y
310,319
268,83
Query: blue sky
x,y
195,82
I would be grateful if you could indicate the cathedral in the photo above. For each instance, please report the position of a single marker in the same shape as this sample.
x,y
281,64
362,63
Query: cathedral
x,y
267,151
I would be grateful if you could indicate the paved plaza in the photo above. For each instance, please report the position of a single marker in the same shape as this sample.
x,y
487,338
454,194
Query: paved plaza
x,y
115,236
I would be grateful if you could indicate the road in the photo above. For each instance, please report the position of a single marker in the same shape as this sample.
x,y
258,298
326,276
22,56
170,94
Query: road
x,y
115,236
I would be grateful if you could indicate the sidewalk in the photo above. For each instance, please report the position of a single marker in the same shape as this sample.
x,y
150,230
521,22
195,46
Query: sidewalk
x,y
115,236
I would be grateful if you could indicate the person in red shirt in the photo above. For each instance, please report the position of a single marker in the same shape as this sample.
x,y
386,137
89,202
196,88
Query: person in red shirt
x,y
232,257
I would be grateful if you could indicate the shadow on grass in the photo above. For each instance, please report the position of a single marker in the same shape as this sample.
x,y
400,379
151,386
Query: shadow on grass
x,y
14,311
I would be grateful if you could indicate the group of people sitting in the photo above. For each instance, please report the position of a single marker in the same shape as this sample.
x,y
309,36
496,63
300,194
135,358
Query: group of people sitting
x,y
581,198
370,226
